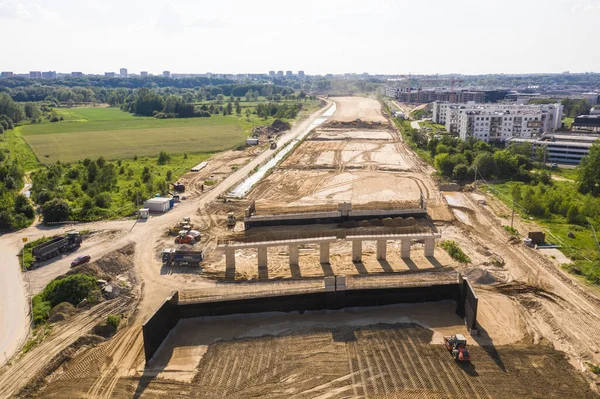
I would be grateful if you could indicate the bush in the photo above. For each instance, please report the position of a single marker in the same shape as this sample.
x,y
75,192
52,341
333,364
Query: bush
x,y
56,210
73,288
103,200
455,252
113,320
163,158
40,309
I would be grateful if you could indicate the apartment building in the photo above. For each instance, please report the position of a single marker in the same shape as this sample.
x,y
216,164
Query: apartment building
x,y
7,74
498,122
35,74
417,95
49,75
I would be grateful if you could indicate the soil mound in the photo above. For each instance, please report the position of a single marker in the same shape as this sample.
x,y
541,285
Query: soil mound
x,y
480,276
279,126
61,312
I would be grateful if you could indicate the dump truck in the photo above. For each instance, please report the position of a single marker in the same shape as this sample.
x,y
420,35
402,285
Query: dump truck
x,y
56,246
179,257
457,345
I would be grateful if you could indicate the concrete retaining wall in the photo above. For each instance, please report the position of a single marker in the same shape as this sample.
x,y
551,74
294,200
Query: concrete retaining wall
x,y
158,326
156,329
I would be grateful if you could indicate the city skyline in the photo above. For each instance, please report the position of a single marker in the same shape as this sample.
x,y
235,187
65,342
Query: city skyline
x,y
464,37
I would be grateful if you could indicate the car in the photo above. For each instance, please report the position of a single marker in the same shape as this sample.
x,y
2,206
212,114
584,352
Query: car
x,y
554,165
80,260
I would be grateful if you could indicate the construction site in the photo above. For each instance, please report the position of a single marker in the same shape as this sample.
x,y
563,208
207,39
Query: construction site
x,y
326,279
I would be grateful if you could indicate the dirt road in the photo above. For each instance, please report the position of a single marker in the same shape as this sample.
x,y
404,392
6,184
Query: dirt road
x,y
13,308
559,308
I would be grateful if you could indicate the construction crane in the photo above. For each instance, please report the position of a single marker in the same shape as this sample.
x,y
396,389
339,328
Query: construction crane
x,y
454,80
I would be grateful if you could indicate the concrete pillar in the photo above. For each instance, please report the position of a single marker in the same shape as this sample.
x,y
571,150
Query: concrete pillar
x,y
294,254
229,257
324,252
381,249
405,248
356,251
262,256
429,246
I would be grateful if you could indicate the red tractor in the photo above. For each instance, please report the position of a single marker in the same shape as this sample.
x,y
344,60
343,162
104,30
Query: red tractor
x,y
457,345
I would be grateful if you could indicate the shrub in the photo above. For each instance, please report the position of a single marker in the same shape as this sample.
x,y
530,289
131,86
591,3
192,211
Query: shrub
x,y
103,200
113,320
72,288
455,252
56,210
163,158
40,309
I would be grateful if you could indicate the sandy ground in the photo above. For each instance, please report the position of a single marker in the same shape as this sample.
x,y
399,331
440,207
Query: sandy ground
x,y
391,351
351,108
345,163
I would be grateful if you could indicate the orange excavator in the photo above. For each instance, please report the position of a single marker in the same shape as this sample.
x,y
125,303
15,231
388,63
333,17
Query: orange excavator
x,y
457,345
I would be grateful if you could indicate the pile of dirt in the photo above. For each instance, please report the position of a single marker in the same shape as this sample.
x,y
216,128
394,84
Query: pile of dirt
x,y
480,276
61,312
104,330
110,265
279,126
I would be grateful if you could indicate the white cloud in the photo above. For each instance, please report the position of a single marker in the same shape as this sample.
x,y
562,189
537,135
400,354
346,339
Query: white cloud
x,y
24,11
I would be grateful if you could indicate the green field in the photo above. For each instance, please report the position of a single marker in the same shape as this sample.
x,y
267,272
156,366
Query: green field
x,y
91,132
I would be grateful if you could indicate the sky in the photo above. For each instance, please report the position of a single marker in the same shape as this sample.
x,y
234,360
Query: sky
x,y
317,36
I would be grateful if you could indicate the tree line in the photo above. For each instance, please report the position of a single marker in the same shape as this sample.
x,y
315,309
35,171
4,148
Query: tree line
x,y
15,210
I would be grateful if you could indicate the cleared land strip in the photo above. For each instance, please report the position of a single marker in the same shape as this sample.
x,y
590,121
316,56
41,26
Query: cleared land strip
x,y
121,144
378,361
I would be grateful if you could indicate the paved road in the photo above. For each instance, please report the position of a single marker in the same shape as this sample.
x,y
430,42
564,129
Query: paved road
x,y
415,125
14,292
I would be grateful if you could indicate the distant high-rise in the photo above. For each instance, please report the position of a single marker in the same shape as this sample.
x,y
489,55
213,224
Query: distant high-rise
x,y
280,73
35,74
123,72
271,73
301,74
7,74
144,74
77,74
166,74
289,73
109,74
49,75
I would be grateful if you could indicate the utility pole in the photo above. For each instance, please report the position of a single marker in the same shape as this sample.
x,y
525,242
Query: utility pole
x,y
512,217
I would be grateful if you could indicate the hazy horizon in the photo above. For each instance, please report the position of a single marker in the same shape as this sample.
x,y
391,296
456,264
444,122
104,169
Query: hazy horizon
x,y
395,37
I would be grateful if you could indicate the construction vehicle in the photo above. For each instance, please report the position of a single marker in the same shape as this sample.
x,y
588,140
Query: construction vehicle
x,y
185,239
272,144
185,220
231,220
56,246
457,345
178,257
179,187
195,234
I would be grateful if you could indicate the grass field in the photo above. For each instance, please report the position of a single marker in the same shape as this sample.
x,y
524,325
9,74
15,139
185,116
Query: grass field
x,y
114,134
91,132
